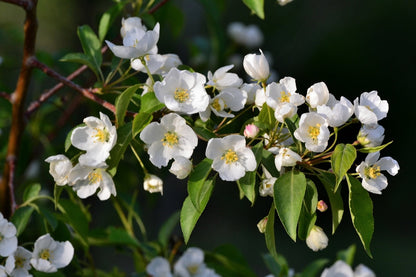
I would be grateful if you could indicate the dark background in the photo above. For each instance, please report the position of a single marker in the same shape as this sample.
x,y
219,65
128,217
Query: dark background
x,y
353,46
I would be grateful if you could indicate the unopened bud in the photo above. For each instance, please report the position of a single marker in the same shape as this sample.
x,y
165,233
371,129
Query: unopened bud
x,y
321,206
262,225
317,239
152,184
251,131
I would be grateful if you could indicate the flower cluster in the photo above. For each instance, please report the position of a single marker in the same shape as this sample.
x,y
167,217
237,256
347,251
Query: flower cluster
x,y
191,263
96,138
341,268
48,255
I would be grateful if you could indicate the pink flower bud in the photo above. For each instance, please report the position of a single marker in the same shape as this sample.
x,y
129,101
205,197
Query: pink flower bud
x,y
322,206
251,131
262,225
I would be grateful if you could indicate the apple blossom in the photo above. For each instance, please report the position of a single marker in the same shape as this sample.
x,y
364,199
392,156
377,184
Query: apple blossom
x,y
232,158
266,186
159,267
181,167
317,239
127,25
251,91
182,91
8,239
283,92
191,263
256,66
50,255
18,264
3,271
170,138
313,131
370,171
317,94
369,108
59,168
153,183
283,2
371,135
86,180
363,271
251,131
286,157
223,79
98,137
156,63
339,269
336,112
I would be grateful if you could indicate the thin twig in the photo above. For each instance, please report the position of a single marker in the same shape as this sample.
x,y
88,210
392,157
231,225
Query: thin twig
x,y
158,6
25,4
5,95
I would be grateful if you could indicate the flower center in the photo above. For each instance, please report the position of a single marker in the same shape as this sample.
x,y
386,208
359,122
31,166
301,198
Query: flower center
x,y
181,95
193,269
218,104
314,131
101,135
171,139
1,237
19,262
373,171
45,254
284,97
230,156
95,177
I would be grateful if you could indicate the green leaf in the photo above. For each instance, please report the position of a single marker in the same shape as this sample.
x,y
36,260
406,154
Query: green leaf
x,y
374,149
247,183
76,217
335,199
289,191
361,209
82,59
204,132
271,263
167,229
91,46
200,189
269,233
120,236
266,116
347,255
31,192
150,104
314,268
341,160
189,217
21,217
49,217
140,121
256,6
122,103
107,19
124,138
307,217
268,161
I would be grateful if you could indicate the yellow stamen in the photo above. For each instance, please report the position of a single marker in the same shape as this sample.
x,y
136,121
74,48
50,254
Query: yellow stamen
x,y
95,177
373,171
193,269
230,156
101,135
284,97
181,95
217,105
171,139
19,262
314,131
45,254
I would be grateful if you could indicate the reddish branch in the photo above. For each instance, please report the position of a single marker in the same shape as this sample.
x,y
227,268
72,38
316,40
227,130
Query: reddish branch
x,y
5,95
7,200
158,6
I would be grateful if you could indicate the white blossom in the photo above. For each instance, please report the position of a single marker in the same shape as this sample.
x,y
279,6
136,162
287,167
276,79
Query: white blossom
x,y
317,94
156,63
371,135
336,112
170,138
127,25
182,91
153,183
283,2
369,108
190,264
251,91
8,239
256,66
59,167
137,42
286,157
229,99
3,271
370,171
363,271
317,239
249,36
86,180
98,137
313,131
181,167
232,158
159,267
267,186
50,255
18,264
223,79
338,269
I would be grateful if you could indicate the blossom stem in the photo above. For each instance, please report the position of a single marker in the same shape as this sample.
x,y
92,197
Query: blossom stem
x,y
158,6
147,70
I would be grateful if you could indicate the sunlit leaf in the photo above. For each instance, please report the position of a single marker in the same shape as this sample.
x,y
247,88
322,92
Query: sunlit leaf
x,y
122,103
140,121
308,212
256,6
199,189
21,217
107,19
150,104
341,160
31,192
91,46
82,59
124,138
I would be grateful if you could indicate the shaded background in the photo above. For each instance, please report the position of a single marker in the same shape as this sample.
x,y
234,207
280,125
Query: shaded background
x,y
353,46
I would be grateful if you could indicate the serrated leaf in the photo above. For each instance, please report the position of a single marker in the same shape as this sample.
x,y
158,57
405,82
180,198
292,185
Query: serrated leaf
x,y
122,103
342,159
167,229
289,191
335,199
91,45
269,233
307,217
200,189
107,19
374,149
82,59
150,104
361,209
31,192
256,6
140,121
21,217
124,137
